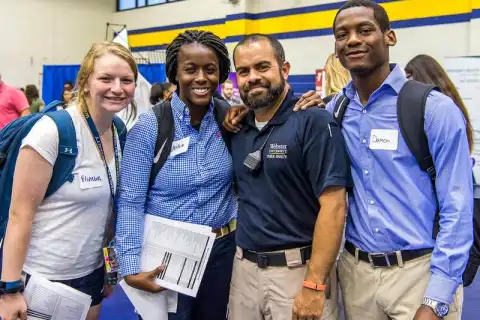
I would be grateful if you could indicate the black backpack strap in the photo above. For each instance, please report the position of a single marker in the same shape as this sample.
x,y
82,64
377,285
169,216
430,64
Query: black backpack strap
x,y
220,109
340,107
121,131
163,145
411,118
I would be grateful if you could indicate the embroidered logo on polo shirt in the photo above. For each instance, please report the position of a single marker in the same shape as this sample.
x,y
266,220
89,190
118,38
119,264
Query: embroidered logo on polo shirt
x,y
277,151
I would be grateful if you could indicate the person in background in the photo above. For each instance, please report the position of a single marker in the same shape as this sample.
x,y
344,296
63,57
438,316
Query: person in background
x,y
424,68
33,98
68,85
336,77
227,93
61,237
13,103
161,92
67,96
168,89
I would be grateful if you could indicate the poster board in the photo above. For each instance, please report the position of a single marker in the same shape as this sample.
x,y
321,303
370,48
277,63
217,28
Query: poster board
x,y
465,74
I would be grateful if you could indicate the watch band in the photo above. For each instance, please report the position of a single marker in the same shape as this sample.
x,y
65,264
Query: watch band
x,y
12,287
314,286
13,284
440,309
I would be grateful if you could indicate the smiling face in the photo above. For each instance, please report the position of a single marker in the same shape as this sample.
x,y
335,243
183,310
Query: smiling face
x,y
360,44
261,81
198,74
111,86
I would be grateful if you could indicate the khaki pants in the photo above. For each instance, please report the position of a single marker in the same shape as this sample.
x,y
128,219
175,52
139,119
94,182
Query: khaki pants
x,y
257,294
387,293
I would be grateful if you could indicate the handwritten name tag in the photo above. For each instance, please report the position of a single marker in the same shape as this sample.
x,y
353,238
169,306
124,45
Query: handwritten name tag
x,y
179,146
90,179
382,139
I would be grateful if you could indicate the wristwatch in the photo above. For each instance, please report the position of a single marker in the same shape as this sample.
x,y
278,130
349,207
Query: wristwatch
x,y
439,308
11,287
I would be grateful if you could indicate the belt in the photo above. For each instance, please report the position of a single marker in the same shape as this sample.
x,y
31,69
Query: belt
x,y
226,229
389,259
274,259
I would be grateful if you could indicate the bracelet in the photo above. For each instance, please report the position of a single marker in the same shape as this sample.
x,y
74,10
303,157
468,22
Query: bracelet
x,y
314,286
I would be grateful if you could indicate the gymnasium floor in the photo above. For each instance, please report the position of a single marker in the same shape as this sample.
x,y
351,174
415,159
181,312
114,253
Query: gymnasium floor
x,y
118,307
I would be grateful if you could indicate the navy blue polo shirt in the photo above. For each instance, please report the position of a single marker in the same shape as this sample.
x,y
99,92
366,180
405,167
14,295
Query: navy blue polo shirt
x,y
305,153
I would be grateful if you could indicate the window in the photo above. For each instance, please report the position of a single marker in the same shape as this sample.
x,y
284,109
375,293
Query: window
x,y
134,4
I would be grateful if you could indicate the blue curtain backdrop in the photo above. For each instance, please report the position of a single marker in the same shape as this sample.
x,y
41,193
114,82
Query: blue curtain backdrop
x,y
54,76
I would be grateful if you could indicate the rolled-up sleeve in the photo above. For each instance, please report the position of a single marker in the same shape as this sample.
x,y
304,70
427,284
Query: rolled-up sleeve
x,y
133,190
446,132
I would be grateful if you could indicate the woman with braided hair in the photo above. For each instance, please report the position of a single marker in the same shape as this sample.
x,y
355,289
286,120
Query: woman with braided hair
x,y
194,185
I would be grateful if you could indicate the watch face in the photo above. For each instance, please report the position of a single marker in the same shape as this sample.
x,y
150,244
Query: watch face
x,y
441,310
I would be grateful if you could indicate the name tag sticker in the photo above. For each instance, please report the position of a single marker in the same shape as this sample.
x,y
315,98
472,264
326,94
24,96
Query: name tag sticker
x,y
91,179
382,139
179,146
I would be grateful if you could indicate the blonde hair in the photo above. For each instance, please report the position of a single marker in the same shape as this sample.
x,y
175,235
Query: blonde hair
x,y
86,69
336,76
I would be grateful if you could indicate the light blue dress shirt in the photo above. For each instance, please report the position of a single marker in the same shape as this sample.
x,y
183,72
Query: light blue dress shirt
x,y
393,204
195,186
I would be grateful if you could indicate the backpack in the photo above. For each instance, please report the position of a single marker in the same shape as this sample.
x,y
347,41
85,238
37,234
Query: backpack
x,y
11,137
411,103
52,106
164,115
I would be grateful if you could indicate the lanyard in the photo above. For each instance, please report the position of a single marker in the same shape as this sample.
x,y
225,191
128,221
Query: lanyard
x,y
96,137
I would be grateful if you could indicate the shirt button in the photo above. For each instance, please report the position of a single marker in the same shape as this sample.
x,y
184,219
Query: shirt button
x,y
364,111
377,230
366,171
372,202
364,141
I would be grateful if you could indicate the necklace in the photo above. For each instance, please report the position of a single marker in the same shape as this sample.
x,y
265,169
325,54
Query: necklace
x,y
102,133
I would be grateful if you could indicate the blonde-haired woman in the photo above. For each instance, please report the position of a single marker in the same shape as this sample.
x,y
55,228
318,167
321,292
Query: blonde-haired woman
x,y
61,237
336,77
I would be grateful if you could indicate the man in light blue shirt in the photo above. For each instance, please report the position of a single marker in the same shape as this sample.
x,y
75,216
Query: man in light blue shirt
x,y
393,203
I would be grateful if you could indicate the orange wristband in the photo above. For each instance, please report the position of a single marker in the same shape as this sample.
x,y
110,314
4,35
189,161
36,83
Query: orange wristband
x,y
314,286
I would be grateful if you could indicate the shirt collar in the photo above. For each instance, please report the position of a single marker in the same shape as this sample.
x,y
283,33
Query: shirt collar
x,y
395,80
282,114
181,108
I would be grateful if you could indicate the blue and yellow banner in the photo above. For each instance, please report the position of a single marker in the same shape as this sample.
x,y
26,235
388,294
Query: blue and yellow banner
x,y
308,21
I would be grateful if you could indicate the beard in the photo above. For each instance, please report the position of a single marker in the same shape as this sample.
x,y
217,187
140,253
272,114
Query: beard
x,y
273,93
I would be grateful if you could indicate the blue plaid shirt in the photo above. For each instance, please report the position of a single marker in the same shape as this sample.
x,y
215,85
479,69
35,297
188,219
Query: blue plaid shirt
x,y
195,186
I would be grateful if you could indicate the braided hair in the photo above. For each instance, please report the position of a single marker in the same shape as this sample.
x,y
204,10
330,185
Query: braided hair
x,y
205,38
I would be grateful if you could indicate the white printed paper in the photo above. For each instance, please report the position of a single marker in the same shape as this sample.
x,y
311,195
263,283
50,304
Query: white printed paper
x,y
382,139
151,306
179,146
54,301
183,248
